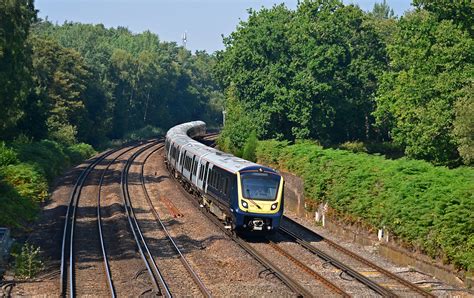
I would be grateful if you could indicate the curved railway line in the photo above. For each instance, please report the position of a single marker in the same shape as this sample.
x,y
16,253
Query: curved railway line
x,y
291,230
67,273
185,263
348,269
295,285
69,245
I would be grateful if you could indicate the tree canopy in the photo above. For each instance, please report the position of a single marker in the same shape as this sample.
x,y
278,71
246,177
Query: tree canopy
x,y
334,73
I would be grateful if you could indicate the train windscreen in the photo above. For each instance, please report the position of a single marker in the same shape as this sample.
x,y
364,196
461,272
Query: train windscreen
x,y
260,186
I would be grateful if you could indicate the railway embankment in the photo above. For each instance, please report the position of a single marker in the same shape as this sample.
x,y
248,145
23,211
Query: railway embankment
x,y
27,171
415,214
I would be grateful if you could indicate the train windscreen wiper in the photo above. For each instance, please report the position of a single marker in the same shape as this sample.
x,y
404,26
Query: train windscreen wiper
x,y
252,201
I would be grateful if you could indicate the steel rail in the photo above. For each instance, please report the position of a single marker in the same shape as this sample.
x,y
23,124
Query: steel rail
x,y
292,284
286,279
153,271
362,260
69,223
99,223
327,283
361,278
186,264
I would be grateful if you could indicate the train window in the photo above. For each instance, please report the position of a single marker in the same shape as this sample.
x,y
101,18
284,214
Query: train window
x,y
201,172
219,182
195,168
226,186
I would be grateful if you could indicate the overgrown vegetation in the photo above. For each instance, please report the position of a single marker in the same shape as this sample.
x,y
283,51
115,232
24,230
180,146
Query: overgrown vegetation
x,y
26,170
27,261
334,73
63,87
427,207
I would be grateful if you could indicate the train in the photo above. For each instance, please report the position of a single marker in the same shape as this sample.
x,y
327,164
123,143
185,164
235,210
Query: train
x,y
244,195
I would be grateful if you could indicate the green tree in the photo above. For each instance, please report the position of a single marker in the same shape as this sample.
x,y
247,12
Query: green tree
x,y
308,73
250,147
431,61
16,17
59,76
459,11
464,124
382,11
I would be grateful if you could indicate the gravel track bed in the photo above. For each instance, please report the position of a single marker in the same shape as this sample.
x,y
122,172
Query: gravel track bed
x,y
223,266
424,281
128,271
342,280
167,259
90,278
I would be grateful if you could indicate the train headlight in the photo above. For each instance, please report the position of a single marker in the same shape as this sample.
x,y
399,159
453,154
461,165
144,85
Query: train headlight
x,y
245,204
274,206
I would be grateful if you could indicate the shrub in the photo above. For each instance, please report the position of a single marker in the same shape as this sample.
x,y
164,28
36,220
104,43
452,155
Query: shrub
x,y
146,132
47,156
79,152
62,133
429,207
7,155
27,261
15,209
26,180
250,146
355,146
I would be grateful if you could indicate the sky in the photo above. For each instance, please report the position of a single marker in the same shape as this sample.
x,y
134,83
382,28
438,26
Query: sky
x,y
205,21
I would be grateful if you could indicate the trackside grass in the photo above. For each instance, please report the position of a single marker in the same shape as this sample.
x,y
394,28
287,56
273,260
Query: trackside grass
x,y
427,207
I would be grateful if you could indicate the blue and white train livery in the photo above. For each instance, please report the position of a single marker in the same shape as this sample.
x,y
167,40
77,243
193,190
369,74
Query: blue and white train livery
x,y
243,194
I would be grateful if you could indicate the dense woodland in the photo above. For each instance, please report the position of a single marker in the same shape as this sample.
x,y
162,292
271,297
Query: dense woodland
x,y
66,87
336,74
87,83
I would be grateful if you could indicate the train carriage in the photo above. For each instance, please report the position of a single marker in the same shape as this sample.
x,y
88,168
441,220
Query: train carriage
x,y
243,194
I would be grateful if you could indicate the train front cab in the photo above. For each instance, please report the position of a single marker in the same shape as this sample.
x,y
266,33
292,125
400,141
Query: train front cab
x,y
260,199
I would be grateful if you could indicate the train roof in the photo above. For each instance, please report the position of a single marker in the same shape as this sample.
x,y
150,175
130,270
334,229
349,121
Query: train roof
x,y
180,135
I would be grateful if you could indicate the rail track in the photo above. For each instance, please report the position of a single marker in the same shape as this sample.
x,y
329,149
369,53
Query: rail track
x,y
156,277
204,291
160,286
349,270
292,284
67,273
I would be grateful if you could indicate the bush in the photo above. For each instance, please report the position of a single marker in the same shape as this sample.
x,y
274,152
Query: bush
x,y
47,156
250,146
15,209
26,180
79,152
27,261
429,207
25,170
7,155
355,146
146,132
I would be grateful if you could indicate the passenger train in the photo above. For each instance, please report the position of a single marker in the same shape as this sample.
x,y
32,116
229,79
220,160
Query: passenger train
x,y
243,194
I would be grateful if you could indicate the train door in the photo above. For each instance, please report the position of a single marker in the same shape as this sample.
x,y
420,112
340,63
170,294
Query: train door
x,y
191,170
200,174
206,177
